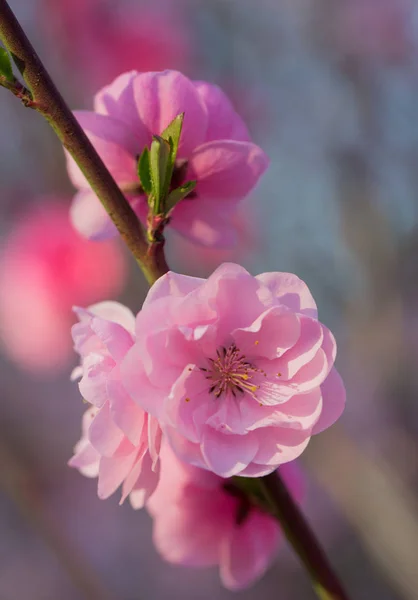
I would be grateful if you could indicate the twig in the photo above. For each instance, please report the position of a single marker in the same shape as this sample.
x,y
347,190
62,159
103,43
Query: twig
x,y
48,101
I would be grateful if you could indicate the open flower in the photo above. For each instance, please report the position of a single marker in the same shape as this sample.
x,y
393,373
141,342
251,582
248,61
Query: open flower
x,y
120,443
200,520
237,369
215,150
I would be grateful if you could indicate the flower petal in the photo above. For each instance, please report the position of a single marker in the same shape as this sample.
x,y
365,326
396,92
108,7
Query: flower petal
x,y
290,291
333,401
270,335
226,169
224,123
227,455
172,284
103,434
161,96
115,143
248,552
89,217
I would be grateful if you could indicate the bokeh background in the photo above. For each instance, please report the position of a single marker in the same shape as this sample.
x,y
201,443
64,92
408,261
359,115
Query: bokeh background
x,y
329,88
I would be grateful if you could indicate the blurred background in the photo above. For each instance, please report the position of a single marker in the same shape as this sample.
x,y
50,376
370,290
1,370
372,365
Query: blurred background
x,y
329,89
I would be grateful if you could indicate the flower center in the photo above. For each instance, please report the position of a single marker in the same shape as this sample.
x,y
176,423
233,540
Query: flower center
x,y
231,372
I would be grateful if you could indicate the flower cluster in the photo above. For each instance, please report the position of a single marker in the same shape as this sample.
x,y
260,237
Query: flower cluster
x,y
235,372
215,378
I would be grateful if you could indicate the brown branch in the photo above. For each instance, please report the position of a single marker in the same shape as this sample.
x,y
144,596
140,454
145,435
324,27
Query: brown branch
x,y
48,101
303,540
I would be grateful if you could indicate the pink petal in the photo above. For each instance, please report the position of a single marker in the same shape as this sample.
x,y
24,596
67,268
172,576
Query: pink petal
x,y
116,100
113,336
103,434
89,217
228,283
114,142
333,401
136,382
270,335
115,312
172,284
112,472
190,533
310,375
127,416
310,340
329,346
185,450
290,291
145,484
227,455
161,96
93,384
278,445
86,459
224,123
189,393
155,436
299,412
247,554
226,169
132,478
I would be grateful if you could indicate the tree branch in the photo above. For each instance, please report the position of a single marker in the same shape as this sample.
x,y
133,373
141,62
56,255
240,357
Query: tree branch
x,y
47,100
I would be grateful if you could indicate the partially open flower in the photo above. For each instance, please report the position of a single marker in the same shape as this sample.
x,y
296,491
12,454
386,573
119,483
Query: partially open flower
x,y
201,520
215,150
120,443
237,369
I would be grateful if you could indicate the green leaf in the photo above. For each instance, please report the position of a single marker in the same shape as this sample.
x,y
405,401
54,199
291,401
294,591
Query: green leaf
x,y
173,131
177,195
144,171
159,161
6,65
172,135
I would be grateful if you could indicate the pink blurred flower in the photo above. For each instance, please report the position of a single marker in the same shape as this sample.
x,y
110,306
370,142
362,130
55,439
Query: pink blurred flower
x,y
237,368
117,36
200,521
46,267
215,149
120,443
374,29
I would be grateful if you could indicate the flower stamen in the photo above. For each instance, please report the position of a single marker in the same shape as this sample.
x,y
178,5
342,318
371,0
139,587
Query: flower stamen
x,y
230,372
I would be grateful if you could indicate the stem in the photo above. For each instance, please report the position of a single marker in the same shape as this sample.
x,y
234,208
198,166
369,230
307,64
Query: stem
x,y
48,101
303,540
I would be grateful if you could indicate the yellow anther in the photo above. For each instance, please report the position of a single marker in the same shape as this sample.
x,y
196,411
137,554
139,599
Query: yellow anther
x,y
187,399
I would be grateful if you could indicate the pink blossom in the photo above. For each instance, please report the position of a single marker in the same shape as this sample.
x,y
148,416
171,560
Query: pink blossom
x,y
215,150
117,36
201,521
237,368
374,29
120,442
45,266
